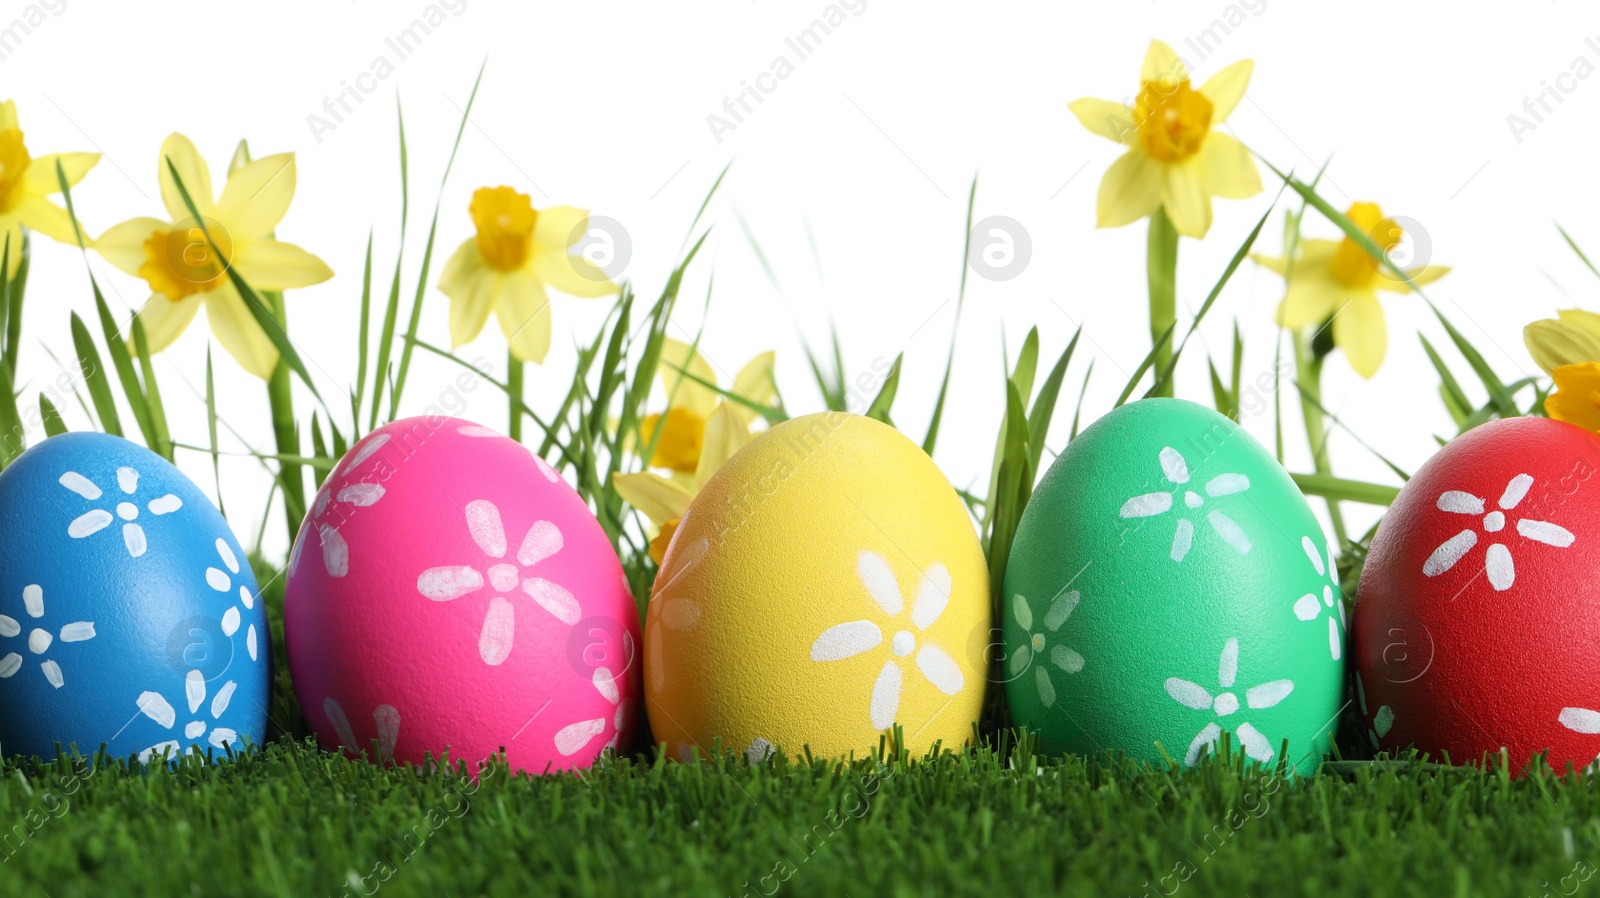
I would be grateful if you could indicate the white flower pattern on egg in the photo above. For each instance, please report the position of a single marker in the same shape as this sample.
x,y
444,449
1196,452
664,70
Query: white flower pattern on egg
x,y
386,717
98,519
39,640
850,639
1382,722
1060,657
1192,695
1311,606
219,580
1155,504
572,738
196,732
450,582
350,497
1497,561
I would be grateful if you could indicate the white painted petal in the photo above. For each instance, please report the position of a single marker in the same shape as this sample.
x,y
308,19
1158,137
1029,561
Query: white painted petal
x,y
1458,502
1542,532
1173,465
1227,485
554,599
9,626
1060,610
1189,695
880,583
222,738
39,641
940,669
367,450
1047,689
1182,539
499,630
194,729
133,538
572,738
1580,720
361,495
156,707
1019,610
478,430
1335,644
1515,490
542,541
340,724
1146,505
230,621
1449,552
88,523
885,697
545,469
1207,739
52,674
248,600
225,552
606,685
1066,659
9,665
217,580
1230,532
1268,694
250,641
1307,607
194,688
846,640
165,505
442,584
1228,666
1313,553
387,717
335,551
932,596
164,749
1383,721
128,480
483,523
1255,745
1020,659
33,600
1497,564
224,696
81,485
78,631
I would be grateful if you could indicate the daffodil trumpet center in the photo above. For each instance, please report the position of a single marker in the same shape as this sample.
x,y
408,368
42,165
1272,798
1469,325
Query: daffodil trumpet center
x,y
504,219
1172,119
14,161
193,257
1353,266
680,442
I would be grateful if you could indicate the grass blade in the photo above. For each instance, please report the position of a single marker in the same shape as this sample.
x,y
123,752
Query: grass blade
x,y
53,425
879,410
94,377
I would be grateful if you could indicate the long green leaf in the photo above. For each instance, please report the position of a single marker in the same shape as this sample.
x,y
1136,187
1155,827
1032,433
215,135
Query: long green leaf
x,y
53,425
879,410
12,435
955,329
1044,405
94,377
1339,488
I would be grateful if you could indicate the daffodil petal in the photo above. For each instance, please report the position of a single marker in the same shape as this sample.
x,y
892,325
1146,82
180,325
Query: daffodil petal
x,y
1105,118
1278,265
41,176
1358,329
1183,194
196,177
256,197
472,297
1226,88
757,383
572,275
1419,276
459,268
1309,300
123,245
8,115
1554,344
1587,322
1160,62
559,227
164,320
683,392
524,313
726,433
1229,171
1131,190
39,214
236,329
271,265
656,497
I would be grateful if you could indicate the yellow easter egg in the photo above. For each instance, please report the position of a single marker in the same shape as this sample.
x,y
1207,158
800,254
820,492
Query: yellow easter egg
x,y
826,585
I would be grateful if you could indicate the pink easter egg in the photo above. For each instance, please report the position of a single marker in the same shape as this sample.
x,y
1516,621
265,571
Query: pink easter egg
x,y
449,591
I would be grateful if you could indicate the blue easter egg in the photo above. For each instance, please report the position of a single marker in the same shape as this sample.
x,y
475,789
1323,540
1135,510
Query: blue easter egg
x,y
128,612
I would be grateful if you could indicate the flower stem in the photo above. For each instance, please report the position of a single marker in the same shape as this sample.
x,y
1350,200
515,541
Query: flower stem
x,y
280,395
1162,270
514,371
1308,370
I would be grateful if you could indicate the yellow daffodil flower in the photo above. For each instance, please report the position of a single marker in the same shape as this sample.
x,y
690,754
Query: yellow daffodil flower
x,y
1572,338
1339,279
1576,399
1176,160
699,431
517,252
25,183
184,271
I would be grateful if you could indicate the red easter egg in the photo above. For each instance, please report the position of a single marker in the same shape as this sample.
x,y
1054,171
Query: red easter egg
x,y
1477,624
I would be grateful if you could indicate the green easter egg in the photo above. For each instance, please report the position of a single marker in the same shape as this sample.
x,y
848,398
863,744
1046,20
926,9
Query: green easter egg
x,y
1169,582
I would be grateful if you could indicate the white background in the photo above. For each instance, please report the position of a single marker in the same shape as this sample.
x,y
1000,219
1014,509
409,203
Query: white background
x,y
871,143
